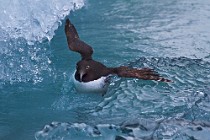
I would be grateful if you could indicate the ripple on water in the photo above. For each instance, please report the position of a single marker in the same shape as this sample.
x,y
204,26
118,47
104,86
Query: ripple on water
x,y
138,109
189,90
128,130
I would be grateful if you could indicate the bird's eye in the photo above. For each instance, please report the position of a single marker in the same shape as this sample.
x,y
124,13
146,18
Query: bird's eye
x,y
87,67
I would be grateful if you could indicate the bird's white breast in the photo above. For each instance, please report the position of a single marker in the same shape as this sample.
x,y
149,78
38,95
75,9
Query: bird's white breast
x,y
97,86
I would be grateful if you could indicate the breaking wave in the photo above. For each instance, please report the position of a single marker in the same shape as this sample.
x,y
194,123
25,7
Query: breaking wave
x,y
34,20
26,27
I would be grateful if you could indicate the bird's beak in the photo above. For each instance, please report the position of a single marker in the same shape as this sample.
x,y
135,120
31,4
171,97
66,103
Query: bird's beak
x,y
81,75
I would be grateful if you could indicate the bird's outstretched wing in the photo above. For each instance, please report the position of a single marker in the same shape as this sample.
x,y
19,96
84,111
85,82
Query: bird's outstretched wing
x,y
144,73
74,42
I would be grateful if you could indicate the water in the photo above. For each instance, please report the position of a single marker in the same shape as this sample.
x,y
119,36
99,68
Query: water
x,y
38,100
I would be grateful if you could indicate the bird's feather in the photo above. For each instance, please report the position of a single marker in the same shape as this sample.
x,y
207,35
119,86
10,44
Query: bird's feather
x,y
74,42
144,73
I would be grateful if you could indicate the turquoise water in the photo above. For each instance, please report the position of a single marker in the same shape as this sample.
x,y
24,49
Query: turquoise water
x,y
37,97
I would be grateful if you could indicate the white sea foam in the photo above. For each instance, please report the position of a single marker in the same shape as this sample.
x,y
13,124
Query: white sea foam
x,y
34,20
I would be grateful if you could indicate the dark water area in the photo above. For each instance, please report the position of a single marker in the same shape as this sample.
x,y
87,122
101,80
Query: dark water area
x,y
37,96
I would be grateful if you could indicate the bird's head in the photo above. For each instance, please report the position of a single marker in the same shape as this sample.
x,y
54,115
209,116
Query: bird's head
x,y
84,71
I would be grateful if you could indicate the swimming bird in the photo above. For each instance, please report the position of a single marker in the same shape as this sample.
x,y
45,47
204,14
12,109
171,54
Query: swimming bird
x,y
93,76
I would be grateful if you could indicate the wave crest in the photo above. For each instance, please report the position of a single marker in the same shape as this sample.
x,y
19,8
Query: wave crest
x,y
34,20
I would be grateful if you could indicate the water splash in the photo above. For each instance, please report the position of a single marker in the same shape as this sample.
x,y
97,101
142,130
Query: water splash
x,y
26,27
34,20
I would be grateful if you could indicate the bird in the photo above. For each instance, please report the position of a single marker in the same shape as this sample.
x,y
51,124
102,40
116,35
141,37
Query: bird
x,y
93,76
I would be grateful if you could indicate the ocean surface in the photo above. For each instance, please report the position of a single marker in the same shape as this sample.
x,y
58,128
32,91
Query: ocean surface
x,y
37,96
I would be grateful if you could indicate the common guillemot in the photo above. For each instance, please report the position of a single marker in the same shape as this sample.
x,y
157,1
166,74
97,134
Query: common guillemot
x,y
92,76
